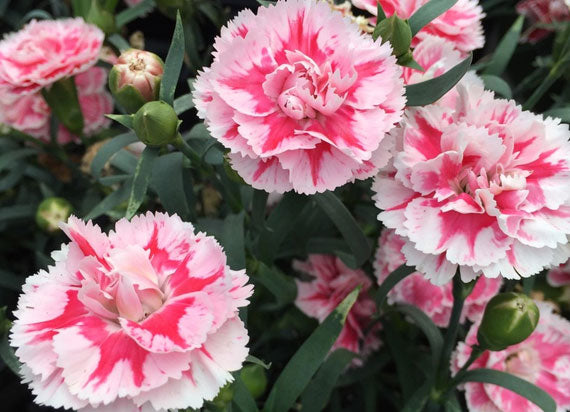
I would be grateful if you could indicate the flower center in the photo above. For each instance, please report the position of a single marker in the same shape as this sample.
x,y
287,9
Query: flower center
x,y
137,65
302,89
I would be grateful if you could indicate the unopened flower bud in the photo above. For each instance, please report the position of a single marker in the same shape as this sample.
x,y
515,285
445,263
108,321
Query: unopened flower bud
x,y
397,32
156,124
135,78
253,377
51,212
509,318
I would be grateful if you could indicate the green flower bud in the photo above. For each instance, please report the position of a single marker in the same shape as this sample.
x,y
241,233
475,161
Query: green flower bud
x,y
135,79
101,18
51,212
253,377
509,318
397,32
156,124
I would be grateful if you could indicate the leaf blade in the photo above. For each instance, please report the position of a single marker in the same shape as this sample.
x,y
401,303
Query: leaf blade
x,y
305,362
141,180
173,63
429,12
424,93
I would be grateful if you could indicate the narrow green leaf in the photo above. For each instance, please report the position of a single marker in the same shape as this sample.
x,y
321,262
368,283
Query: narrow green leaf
x,y
183,103
131,13
319,390
332,246
281,286
428,12
118,41
8,356
419,398
141,180
167,181
380,15
279,225
124,119
257,361
306,361
505,49
427,326
233,240
346,224
242,400
109,149
12,157
424,93
111,201
560,112
17,212
173,63
13,177
265,3
513,383
497,85
393,278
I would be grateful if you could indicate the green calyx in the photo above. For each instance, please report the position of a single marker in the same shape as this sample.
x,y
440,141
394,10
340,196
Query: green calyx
x,y
397,31
509,319
156,124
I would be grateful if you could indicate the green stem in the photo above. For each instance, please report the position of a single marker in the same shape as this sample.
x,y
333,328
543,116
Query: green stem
x,y
460,292
557,70
187,151
476,351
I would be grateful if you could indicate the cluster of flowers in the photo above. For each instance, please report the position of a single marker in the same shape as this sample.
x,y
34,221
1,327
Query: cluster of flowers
x,y
305,100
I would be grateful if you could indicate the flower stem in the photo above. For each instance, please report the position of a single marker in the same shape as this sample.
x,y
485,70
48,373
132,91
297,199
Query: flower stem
x,y
181,145
460,292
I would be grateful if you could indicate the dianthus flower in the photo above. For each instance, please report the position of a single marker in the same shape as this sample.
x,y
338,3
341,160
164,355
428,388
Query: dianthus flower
x,y
545,12
145,317
461,24
559,276
332,282
481,186
435,301
541,359
46,51
301,97
30,113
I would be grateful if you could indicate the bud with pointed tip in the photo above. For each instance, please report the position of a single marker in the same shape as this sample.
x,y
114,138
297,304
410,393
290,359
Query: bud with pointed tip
x,y
135,78
156,124
509,318
51,212
397,32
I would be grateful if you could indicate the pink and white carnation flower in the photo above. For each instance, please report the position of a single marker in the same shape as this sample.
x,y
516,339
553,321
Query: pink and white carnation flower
x,y
542,359
461,24
144,318
332,282
46,51
30,113
559,276
480,186
301,97
415,289
545,12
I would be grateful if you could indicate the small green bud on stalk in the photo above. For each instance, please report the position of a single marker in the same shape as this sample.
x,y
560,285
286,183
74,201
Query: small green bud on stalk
x,y
253,377
397,31
156,124
51,212
135,79
509,318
